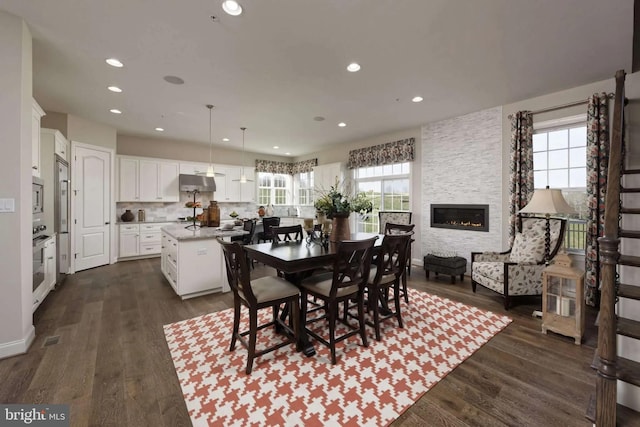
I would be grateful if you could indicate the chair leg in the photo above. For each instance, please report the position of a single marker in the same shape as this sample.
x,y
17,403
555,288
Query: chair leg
x,y
396,298
404,287
236,324
253,332
363,332
374,298
333,314
473,285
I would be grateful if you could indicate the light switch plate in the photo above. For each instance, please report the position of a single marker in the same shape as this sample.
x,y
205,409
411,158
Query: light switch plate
x,y
7,205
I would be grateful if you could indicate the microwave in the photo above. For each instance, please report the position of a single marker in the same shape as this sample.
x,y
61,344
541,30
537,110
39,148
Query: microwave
x,y
37,193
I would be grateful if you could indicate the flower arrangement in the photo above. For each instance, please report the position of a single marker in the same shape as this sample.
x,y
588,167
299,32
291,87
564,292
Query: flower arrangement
x,y
336,203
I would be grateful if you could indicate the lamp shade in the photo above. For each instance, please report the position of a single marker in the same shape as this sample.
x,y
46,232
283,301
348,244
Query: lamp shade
x,y
548,201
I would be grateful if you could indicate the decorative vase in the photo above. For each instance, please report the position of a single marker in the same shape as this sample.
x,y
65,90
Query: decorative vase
x,y
269,210
127,216
214,214
340,228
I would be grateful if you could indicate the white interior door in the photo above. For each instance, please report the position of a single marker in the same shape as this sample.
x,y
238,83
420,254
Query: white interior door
x,y
92,178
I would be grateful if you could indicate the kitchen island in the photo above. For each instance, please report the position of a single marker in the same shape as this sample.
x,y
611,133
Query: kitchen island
x,y
192,260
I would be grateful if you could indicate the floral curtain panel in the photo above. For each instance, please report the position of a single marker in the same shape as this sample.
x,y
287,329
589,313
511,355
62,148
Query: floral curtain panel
x,y
286,168
383,154
597,166
521,168
304,166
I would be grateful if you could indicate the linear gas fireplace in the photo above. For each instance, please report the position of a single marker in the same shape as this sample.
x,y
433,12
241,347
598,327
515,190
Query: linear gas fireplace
x,y
461,217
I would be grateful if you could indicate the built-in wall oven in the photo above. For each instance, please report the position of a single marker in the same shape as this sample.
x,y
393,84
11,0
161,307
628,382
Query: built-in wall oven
x,y
39,229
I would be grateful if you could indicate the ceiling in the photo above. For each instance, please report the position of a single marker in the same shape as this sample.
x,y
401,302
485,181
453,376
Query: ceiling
x,y
283,62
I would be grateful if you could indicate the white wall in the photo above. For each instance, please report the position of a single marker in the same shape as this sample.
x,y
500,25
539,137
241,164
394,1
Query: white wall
x,y
461,164
16,320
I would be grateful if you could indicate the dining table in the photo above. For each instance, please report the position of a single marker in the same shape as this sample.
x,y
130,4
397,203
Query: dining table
x,y
299,259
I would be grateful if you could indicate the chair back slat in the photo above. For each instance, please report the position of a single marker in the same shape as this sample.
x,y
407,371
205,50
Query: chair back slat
x,y
392,258
238,274
287,233
352,264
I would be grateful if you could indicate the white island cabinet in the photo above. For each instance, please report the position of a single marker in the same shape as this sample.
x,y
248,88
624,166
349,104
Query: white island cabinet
x,y
192,260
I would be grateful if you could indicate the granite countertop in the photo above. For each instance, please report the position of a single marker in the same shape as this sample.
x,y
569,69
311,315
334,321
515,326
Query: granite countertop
x,y
152,221
179,232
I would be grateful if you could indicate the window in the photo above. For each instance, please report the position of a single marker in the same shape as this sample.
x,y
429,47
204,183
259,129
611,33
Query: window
x,y
273,188
560,161
304,188
388,188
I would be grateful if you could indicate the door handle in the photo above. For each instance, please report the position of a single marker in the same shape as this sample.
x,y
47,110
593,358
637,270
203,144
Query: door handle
x,y
107,223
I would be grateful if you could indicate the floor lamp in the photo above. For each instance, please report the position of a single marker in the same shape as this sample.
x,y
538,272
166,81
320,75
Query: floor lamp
x,y
547,202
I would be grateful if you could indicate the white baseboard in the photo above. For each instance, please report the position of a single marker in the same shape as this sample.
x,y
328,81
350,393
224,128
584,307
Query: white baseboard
x,y
15,348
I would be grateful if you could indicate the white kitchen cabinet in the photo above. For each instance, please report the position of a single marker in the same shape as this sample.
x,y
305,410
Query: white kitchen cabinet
x,y
248,190
55,139
231,186
147,180
140,239
193,168
129,240
193,267
325,176
36,114
158,181
128,177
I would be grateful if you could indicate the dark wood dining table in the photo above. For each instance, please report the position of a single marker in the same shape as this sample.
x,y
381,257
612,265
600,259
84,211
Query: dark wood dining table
x,y
297,260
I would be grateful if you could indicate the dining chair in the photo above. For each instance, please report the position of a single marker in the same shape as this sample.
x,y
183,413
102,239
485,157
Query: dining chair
x,y
392,228
395,217
246,239
287,233
386,273
265,292
266,235
346,282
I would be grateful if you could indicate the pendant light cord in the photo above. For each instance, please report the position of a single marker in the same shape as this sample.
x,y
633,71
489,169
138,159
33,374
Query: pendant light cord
x,y
243,129
210,107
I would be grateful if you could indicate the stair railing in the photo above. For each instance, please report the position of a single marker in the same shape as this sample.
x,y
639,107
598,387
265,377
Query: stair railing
x,y
606,378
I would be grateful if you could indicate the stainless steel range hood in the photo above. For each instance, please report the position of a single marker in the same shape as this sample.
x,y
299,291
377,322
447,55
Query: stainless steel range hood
x,y
196,182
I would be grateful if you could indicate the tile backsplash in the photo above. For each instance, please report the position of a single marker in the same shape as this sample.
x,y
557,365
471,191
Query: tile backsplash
x,y
172,211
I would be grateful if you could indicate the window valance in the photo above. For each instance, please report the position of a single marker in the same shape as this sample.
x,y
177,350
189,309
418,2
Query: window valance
x,y
383,154
271,166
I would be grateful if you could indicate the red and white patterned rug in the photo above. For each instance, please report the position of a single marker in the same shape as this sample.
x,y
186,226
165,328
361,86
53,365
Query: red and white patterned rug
x,y
367,387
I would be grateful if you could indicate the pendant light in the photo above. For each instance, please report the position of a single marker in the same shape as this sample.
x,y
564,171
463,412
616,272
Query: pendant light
x,y
243,178
210,172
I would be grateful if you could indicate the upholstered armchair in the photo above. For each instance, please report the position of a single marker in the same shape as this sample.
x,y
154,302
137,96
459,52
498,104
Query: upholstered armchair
x,y
518,271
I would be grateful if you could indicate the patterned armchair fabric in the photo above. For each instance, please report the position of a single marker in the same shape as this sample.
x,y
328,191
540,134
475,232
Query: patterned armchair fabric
x,y
518,271
394,217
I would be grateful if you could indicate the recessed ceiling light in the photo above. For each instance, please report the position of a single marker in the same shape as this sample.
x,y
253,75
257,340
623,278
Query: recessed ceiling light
x,y
225,139
342,124
115,89
288,154
353,67
232,7
417,99
275,147
175,80
115,111
160,129
115,63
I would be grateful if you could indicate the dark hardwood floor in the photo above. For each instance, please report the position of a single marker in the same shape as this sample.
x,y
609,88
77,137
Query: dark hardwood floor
x,y
100,347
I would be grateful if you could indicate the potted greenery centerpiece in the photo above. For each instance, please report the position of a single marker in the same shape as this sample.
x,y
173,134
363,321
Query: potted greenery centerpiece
x,y
337,205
